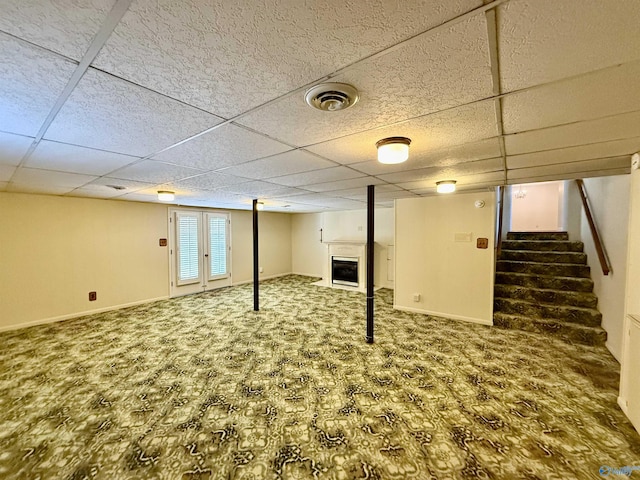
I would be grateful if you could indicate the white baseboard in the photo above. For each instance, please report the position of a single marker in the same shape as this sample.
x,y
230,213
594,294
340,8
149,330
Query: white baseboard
x,y
443,315
307,274
43,321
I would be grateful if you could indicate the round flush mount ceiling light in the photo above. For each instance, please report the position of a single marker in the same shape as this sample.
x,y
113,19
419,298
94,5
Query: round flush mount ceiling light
x,y
260,206
166,196
393,150
446,186
332,97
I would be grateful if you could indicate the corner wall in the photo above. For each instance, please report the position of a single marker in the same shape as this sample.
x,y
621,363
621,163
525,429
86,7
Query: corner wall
x,y
609,200
55,250
453,278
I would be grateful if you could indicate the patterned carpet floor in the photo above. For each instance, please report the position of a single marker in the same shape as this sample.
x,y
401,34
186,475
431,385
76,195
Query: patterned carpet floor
x,y
202,387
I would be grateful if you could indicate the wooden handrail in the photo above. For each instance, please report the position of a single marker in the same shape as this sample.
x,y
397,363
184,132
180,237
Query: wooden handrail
x,y
500,214
604,263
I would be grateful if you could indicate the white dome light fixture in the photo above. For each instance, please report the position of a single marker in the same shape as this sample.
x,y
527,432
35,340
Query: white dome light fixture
x,y
446,186
166,196
393,150
260,206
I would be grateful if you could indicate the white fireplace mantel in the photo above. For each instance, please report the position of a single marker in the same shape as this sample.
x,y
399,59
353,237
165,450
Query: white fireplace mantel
x,y
349,249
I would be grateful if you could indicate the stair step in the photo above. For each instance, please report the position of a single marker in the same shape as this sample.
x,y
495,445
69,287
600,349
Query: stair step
x,y
556,269
543,245
579,315
543,257
537,236
572,284
546,295
570,332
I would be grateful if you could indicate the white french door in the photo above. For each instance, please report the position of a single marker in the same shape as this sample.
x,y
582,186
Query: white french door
x,y
199,252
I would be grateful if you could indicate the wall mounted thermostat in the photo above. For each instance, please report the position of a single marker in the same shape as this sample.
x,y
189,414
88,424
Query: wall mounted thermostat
x,y
635,161
479,203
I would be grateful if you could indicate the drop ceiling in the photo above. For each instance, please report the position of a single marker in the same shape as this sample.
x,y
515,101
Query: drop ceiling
x,y
206,98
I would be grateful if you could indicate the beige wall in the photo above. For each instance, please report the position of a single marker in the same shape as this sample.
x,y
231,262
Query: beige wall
x,y
539,210
310,257
609,201
307,252
454,278
55,250
274,248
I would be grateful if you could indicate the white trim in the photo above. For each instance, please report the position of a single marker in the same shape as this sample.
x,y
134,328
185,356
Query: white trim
x,y
623,406
448,316
315,275
68,316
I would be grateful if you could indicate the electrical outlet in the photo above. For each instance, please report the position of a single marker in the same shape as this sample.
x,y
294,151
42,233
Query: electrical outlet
x,y
416,297
260,269
482,243
93,296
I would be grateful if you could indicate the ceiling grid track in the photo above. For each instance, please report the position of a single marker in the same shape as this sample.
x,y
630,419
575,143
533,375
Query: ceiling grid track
x,y
492,33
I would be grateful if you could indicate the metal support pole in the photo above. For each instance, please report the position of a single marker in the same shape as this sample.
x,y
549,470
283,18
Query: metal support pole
x,y
256,268
370,256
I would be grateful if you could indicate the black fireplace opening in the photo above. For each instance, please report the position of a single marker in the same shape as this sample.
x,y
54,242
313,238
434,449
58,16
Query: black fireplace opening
x,y
344,271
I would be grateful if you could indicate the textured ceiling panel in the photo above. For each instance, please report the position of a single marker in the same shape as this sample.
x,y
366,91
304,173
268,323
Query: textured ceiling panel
x,y
446,173
31,80
546,40
601,130
110,114
623,162
64,26
295,161
6,172
569,176
331,174
45,178
104,183
573,154
481,180
154,172
589,97
453,69
69,158
222,147
429,133
227,57
258,189
211,181
13,148
361,182
489,148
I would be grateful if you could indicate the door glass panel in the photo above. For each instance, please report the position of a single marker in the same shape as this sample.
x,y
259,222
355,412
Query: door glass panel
x,y
188,256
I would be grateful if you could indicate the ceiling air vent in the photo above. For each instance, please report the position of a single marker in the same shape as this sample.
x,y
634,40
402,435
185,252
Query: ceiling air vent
x,y
331,97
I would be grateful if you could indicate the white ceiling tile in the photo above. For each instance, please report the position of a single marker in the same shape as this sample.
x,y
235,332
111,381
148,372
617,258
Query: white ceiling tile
x,y
360,182
572,154
69,25
6,172
211,181
222,147
107,184
103,192
289,163
36,178
13,148
259,189
568,176
601,130
446,173
70,158
327,200
428,185
546,40
453,69
560,171
31,80
331,174
151,171
429,133
589,97
489,148
107,113
228,57
38,189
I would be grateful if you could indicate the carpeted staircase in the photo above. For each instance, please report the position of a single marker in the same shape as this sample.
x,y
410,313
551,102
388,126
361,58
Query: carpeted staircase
x,y
543,284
